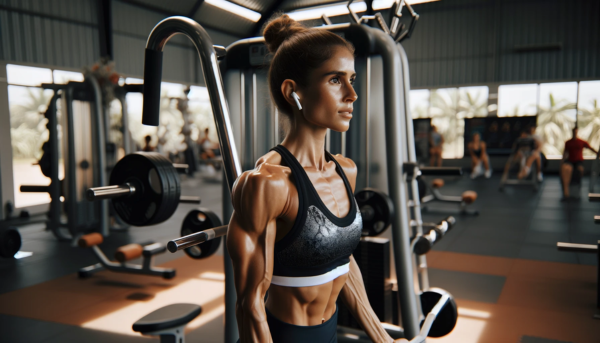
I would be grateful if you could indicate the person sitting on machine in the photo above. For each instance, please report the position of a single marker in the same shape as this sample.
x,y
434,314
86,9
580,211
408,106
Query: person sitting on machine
x,y
209,150
535,156
295,222
572,160
147,146
436,141
479,156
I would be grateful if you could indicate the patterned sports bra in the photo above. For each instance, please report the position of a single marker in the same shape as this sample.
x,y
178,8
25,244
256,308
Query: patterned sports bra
x,y
318,247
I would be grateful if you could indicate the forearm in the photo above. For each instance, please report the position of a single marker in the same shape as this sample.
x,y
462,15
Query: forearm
x,y
355,298
252,323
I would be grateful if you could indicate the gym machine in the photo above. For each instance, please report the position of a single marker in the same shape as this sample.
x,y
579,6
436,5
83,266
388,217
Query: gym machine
x,y
145,190
590,249
87,156
382,44
465,199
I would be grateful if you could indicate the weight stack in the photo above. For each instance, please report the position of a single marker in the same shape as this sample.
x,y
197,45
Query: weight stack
x,y
373,258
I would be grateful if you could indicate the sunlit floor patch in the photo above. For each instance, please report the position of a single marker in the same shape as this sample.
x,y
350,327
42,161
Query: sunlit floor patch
x,y
195,291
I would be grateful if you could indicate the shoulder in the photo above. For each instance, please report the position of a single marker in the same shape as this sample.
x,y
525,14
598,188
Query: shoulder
x,y
349,168
267,183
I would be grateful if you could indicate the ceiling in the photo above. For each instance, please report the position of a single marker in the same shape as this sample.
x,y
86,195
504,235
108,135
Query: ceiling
x,y
218,19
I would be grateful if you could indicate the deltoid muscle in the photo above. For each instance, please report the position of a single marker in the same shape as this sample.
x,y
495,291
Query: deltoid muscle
x,y
321,241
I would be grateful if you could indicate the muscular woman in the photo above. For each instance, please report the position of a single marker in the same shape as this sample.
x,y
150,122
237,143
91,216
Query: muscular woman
x,y
295,221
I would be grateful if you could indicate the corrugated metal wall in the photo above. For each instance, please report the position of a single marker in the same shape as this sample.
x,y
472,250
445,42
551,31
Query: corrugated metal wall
x,y
60,33
64,33
463,42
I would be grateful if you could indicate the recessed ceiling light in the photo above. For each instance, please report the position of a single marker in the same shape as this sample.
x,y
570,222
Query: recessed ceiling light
x,y
235,9
329,10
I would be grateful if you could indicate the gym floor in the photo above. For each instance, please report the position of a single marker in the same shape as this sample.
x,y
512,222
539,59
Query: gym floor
x,y
509,280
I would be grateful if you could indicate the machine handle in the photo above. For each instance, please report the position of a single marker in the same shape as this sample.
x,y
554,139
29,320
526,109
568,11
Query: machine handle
x,y
422,244
190,199
196,238
34,189
575,247
441,171
594,197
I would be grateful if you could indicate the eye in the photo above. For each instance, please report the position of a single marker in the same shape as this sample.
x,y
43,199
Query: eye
x,y
352,80
335,80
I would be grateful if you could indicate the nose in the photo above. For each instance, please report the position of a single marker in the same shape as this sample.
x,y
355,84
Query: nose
x,y
351,95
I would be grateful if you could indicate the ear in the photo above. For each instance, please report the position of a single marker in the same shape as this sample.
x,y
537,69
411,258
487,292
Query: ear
x,y
287,87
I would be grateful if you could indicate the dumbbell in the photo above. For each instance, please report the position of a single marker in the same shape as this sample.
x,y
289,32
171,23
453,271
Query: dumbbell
x,y
145,189
422,244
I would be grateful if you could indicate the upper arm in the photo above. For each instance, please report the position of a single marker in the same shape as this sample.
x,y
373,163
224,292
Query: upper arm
x,y
259,197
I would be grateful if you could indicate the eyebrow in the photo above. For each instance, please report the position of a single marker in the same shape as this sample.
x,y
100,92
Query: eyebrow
x,y
338,72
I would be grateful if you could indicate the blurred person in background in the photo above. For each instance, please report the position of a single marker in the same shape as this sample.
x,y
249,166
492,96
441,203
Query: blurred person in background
x,y
572,160
436,140
480,162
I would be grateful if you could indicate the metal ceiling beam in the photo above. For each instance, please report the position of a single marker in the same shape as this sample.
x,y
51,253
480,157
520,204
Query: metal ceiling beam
x,y
194,9
170,14
265,16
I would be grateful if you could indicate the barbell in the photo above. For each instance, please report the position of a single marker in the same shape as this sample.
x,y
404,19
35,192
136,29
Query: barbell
x,y
145,189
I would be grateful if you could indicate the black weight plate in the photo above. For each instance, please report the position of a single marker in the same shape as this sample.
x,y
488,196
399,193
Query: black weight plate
x,y
157,188
167,174
376,209
10,242
199,220
445,322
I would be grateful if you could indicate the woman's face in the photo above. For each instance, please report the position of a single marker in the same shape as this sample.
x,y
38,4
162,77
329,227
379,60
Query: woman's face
x,y
328,98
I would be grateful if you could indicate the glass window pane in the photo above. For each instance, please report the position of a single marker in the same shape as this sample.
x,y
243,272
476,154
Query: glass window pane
x,y
201,114
28,132
556,116
589,114
63,76
419,103
517,100
27,76
473,101
443,111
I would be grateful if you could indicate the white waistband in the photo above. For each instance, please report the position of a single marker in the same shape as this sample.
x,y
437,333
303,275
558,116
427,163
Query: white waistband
x,y
307,281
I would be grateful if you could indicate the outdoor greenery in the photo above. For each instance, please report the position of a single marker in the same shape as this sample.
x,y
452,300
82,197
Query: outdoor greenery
x,y
555,125
27,123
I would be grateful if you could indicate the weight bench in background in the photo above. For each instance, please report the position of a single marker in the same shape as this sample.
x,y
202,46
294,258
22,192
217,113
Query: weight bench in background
x,y
168,322
467,198
122,255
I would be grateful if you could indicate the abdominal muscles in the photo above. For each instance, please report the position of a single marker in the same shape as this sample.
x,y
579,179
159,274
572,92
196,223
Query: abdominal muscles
x,y
305,306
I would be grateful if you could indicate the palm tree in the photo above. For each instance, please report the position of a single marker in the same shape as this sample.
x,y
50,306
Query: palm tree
x,y
554,125
472,105
589,122
443,113
27,123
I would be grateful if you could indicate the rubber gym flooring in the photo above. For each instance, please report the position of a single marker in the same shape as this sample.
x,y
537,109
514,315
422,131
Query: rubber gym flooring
x,y
510,282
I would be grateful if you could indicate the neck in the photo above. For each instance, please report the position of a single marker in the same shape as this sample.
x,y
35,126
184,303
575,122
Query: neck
x,y
306,142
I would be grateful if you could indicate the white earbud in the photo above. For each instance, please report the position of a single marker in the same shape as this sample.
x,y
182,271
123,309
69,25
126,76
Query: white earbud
x,y
297,99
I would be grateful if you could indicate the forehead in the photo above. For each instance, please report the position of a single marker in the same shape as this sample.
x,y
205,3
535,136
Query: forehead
x,y
341,60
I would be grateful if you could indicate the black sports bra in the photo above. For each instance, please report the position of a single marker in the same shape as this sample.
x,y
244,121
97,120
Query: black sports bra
x,y
318,247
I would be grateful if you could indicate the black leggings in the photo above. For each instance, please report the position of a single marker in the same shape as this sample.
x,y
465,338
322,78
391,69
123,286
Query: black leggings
x,y
282,332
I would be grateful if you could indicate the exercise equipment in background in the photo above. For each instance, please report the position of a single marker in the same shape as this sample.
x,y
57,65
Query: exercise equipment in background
x,y
198,220
168,322
10,242
590,249
376,209
465,199
522,147
123,255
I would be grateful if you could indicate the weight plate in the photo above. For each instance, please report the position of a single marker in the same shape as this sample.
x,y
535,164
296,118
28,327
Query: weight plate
x,y
445,322
157,188
376,209
10,242
199,220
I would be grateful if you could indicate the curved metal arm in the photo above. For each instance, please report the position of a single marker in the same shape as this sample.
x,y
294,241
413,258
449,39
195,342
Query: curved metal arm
x,y
159,36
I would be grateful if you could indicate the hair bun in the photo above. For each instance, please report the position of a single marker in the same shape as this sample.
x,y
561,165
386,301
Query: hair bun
x,y
279,29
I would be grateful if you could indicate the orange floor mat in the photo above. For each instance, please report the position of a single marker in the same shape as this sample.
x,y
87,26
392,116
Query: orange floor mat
x,y
541,299
114,301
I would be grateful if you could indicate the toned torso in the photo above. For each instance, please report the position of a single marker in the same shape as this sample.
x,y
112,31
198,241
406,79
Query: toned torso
x,y
309,305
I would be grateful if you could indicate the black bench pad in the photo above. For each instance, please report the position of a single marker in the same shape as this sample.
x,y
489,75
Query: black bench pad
x,y
167,317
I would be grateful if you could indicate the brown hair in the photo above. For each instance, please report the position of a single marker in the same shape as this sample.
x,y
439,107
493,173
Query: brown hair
x,y
296,51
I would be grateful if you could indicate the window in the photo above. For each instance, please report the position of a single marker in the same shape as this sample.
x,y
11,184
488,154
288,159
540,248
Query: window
x,y
517,100
589,114
556,117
